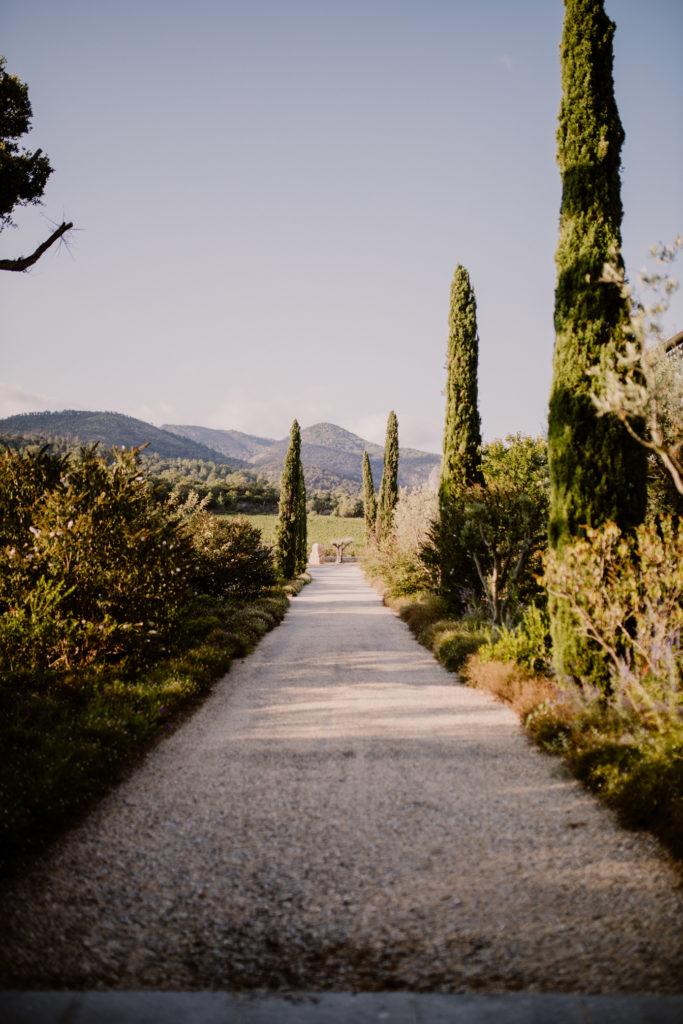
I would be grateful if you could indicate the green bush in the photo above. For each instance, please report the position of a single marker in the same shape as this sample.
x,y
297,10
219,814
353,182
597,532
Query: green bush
x,y
421,611
90,565
527,644
450,640
102,643
453,641
484,552
229,557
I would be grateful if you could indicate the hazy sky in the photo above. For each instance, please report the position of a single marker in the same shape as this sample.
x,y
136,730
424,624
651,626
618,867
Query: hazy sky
x,y
271,197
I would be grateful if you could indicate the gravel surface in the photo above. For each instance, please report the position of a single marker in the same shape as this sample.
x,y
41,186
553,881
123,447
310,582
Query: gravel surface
x,y
342,814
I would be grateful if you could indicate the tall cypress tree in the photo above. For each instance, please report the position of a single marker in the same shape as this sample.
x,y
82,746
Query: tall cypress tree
x,y
461,465
369,499
288,543
302,522
597,472
388,490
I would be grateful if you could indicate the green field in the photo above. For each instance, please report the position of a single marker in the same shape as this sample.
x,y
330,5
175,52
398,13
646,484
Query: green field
x,y
321,530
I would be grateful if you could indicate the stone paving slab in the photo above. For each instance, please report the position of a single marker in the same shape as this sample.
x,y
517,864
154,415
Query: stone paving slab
x,y
151,1007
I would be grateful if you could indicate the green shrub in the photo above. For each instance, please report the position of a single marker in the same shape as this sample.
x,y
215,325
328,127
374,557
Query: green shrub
x,y
295,586
452,641
484,551
90,565
527,644
229,557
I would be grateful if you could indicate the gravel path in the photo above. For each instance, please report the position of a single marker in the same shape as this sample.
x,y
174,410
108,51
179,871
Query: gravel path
x,y
342,814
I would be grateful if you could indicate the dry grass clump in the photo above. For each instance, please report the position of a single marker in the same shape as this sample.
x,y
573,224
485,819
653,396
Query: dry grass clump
x,y
420,613
511,683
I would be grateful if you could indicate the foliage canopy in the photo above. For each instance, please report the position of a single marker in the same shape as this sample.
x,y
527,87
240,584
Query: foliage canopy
x,y
23,175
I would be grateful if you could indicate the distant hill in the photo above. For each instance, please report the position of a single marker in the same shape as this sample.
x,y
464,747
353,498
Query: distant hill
x,y
113,428
229,442
331,456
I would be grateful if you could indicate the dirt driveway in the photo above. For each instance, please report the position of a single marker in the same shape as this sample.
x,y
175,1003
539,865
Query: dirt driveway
x,y
342,814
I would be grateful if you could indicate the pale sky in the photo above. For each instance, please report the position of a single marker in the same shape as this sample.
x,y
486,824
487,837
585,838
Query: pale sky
x,y
271,197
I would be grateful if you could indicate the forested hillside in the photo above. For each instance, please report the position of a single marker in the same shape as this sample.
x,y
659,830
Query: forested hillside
x,y
331,455
111,428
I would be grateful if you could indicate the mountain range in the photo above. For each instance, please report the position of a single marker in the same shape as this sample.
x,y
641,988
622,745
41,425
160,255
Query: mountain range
x,y
110,428
331,455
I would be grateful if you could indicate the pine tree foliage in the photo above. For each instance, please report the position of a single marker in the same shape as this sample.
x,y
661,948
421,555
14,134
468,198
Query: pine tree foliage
x,y
388,491
290,542
597,472
23,174
369,499
461,466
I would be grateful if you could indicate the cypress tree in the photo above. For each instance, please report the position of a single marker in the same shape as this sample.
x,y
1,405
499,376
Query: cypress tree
x,y
461,465
288,543
369,499
597,472
302,521
388,490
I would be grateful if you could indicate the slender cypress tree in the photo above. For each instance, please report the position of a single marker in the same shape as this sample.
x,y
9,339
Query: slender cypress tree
x,y
288,542
388,491
461,465
302,522
369,499
597,472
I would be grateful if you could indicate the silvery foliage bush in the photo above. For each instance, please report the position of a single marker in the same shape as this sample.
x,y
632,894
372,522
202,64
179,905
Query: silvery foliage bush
x,y
400,556
626,596
643,387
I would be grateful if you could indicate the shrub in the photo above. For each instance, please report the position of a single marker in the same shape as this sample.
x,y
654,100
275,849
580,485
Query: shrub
x,y
421,613
398,560
485,549
452,641
625,593
64,745
531,695
91,565
527,644
229,557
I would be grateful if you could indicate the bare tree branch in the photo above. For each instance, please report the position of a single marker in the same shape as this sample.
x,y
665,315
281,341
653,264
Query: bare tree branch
x,y
24,262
